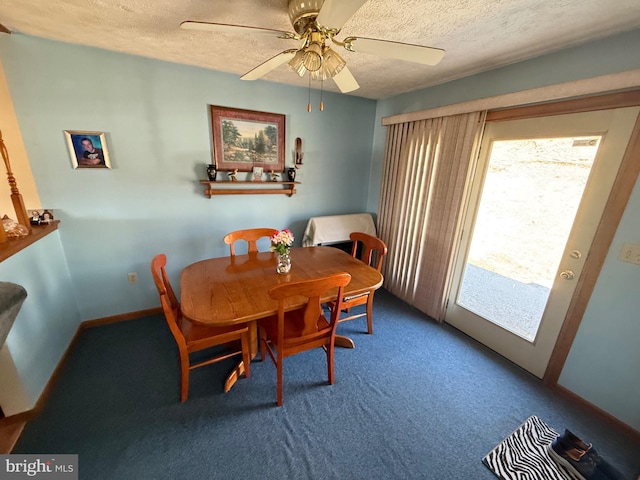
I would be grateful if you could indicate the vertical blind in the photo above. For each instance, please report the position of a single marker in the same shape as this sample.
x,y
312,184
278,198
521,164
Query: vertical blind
x,y
424,181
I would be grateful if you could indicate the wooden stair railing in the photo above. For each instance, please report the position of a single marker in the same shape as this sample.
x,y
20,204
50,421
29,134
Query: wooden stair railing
x,y
18,204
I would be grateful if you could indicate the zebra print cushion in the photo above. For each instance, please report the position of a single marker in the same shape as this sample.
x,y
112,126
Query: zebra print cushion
x,y
523,454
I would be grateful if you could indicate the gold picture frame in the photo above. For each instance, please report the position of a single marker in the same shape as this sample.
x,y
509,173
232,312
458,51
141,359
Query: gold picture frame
x,y
244,139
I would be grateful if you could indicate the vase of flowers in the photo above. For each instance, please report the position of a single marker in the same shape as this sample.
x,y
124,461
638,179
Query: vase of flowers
x,y
281,244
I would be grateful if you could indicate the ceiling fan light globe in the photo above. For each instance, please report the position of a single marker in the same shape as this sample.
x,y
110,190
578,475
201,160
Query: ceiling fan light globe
x,y
312,62
300,70
312,58
333,63
296,63
320,74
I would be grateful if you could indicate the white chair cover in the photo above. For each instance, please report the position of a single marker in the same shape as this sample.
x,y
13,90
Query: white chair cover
x,y
336,228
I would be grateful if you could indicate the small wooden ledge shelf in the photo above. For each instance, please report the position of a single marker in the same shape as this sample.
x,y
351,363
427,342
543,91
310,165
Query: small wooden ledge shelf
x,y
14,245
248,188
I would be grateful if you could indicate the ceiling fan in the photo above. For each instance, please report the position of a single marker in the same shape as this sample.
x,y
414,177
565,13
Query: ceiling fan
x,y
316,22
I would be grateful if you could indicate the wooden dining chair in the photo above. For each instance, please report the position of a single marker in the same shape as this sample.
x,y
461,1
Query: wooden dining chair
x,y
249,235
291,332
191,337
370,250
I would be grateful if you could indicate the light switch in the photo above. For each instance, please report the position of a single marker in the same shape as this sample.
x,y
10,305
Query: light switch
x,y
630,253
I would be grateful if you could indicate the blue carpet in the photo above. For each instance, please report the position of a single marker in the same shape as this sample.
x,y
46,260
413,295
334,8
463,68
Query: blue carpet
x,y
415,400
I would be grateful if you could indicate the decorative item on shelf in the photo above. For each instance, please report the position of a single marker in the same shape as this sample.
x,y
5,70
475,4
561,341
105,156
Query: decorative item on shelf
x,y
298,153
257,174
13,229
233,175
46,217
291,173
281,244
38,218
211,171
274,176
35,217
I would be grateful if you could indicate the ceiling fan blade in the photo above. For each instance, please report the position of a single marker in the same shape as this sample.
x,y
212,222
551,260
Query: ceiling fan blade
x,y
235,29
269,65
401,51
335,13
345,81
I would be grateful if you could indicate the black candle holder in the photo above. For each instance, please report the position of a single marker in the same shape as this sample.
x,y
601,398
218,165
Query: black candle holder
x,y
211,171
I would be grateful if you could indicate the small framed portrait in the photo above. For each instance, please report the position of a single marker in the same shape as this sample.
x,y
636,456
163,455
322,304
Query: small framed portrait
x,y
257,174
244,139
46,217
87,149
41,217
35,218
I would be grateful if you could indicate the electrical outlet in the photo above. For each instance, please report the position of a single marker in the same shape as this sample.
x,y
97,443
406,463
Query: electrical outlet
x,y
630,253
133,277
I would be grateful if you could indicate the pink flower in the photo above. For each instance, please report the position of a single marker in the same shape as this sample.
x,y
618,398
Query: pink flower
x,y
281,242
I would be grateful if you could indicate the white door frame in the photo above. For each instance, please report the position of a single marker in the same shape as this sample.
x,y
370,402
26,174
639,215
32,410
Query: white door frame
x,y
623,186
616,126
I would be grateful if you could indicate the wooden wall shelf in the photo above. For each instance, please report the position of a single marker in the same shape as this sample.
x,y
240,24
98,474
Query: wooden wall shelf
x,y
14,245
248,188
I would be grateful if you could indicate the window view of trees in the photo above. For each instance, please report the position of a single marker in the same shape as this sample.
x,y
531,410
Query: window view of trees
x,y
259,146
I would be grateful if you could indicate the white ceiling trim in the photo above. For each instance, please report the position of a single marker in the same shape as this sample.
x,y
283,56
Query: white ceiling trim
x,y
562,91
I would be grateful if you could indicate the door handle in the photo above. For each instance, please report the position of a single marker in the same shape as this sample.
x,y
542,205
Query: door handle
x,y
567,274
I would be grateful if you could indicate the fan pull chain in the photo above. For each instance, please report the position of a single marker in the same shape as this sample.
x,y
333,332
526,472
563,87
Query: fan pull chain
x,y
309,102
321,102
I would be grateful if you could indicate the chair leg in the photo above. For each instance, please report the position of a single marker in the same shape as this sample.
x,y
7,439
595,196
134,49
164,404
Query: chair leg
x,y
263,346
370,313
330,369
246,355
184,376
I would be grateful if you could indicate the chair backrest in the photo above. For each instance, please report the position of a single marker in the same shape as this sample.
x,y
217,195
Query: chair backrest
x,y
249,235
170,304
369,244
313,289
159,273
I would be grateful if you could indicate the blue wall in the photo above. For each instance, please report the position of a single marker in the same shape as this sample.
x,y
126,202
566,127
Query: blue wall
x,y
604,360
49,315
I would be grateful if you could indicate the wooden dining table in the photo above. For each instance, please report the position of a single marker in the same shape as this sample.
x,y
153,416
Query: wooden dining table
x,y
234,290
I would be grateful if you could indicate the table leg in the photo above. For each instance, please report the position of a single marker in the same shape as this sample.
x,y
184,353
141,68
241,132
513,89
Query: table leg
x,y
238,371
233,377
345,342
253,338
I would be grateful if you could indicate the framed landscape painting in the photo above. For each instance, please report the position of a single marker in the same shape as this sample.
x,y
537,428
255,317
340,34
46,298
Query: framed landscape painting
x,y
87,149
244,139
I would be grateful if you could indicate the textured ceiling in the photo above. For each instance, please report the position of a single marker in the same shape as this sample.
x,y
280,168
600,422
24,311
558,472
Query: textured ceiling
x,y
477,35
